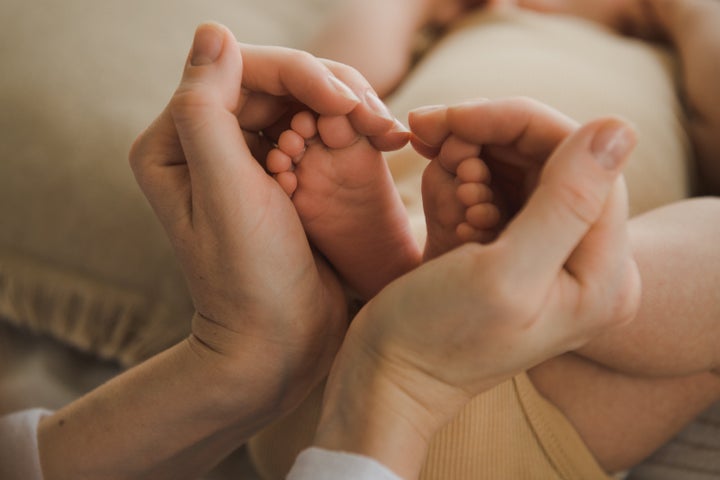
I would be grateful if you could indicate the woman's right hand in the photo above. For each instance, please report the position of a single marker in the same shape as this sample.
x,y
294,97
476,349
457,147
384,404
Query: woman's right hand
x,y
462,323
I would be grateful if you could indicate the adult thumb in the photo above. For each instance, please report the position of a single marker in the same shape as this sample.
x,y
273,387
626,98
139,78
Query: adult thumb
x,y
570,198
204,110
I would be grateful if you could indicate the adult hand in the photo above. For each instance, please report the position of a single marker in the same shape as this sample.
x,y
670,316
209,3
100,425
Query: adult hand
x,y
270,315
558,274
262,298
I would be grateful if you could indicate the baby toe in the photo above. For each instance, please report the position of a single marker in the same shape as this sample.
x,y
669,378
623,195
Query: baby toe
x,y
473,170
336,131
277,161
454,151
470,194
287,181
482,216
291,143
305,124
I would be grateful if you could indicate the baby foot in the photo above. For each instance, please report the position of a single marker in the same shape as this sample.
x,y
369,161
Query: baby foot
x,y
346,200
458,199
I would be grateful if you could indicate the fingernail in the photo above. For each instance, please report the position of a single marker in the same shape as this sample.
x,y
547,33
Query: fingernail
x,y
377,105
207,45
612,143
427,109
343,89
400,127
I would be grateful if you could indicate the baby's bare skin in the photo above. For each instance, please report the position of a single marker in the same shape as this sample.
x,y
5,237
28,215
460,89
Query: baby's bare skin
x,y
458,199
395,27
346,200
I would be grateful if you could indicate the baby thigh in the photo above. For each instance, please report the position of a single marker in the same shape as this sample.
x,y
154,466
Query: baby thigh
x,y
630,390
622,418
677,329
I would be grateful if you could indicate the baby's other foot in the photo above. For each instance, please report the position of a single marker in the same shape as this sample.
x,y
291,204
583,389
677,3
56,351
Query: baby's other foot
x,y
346,200
458,199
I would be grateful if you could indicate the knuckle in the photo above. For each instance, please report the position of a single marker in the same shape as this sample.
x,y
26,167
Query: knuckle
x,y
341,70
627,296
584,204
496,284
188,100
525,103
298,61
615,302
136,154
300,56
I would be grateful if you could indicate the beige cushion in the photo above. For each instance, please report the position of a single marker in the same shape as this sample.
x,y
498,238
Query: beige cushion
x,y
580,68
82,257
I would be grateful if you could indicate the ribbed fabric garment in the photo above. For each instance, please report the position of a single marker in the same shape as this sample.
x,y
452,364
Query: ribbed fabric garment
x,y
510,432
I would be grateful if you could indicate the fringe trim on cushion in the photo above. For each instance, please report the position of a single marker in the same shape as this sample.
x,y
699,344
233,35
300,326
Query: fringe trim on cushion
x,y
89,315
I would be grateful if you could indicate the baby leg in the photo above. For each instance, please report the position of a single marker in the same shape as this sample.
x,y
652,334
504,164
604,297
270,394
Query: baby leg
x,y
379,37
346,200
458,199
634,387
677,329
622,418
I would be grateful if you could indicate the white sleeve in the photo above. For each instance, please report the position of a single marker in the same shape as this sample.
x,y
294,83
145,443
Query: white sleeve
x,y
19,456
319,464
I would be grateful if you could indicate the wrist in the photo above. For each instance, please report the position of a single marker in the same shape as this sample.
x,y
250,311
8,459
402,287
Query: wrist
x,y
273,377
368,412
173,416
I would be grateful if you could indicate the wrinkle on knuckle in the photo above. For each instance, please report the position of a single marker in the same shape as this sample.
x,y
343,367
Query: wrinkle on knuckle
x,y
189,107
525,102
184,101
300,56
581,203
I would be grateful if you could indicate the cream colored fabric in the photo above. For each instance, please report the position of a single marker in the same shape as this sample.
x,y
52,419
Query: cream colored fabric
x,y
82,257
579,68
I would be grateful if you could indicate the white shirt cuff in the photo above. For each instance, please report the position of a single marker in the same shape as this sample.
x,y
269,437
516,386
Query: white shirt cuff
x,y
19,455
320,464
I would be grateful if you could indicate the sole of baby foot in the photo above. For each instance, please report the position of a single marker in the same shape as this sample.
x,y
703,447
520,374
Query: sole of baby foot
x,y
444,212
347,201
